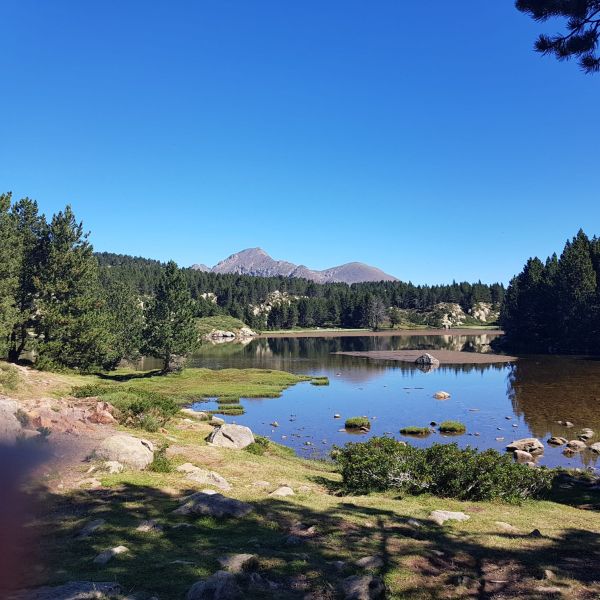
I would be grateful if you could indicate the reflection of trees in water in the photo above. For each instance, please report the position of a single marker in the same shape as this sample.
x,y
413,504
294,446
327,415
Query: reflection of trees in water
x,y
306,354
547,389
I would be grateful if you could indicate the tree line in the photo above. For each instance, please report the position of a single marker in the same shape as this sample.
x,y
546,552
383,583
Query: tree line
x,y
554,305
308,304
55,304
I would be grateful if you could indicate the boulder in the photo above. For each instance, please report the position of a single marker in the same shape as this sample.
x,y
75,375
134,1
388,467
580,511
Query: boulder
x,y
427,360
102,414
441,516
9,424
219,586
283,491
575,446
126,449
586,434
370,562
90,528
74,590
441,395
237,563
149,526
204,476
363,587
557,441
531,445
195,414
231,436
209,502
595,447
216,421
522,457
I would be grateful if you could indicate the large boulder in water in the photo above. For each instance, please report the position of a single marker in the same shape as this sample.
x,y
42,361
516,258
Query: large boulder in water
x,y
126,449
427,360
531,445
231,436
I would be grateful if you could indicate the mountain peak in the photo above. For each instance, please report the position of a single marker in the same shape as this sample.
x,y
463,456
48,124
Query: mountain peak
x,y
255,261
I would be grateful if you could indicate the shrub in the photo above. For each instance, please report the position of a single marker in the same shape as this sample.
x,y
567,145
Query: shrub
x,y
90,390
161,462
146,410
259,446
9,378
452,427
443,470
412,430
358,423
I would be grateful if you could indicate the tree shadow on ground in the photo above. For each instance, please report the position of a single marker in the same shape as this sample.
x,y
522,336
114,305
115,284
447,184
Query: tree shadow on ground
x,y
123,377
418,558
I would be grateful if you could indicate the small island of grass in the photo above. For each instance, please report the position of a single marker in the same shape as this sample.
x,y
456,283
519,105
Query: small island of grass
x,y
358,423
452,427
319,381
413,430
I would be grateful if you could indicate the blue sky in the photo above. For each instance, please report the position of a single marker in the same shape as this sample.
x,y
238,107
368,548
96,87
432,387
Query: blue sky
x,y
425,138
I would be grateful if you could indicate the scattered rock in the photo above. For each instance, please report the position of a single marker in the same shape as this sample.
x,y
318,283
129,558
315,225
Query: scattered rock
x,y
107,555
507,527
441,395
90,482
575,445
74,590
102,414
237,563
595,447
370,562
261,484
149,526
195,414
522,457
536,533
427,360
219,586
531,445
441,516
126,449
586,434
283,491
337,416
90,527
231,436
549,575
274,424
557,441
565,423
363,587
209,502
113,466
204,476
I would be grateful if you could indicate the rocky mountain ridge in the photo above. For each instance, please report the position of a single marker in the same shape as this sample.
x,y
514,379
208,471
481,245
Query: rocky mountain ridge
x,y
255,261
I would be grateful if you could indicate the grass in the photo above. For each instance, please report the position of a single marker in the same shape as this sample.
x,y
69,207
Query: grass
x,y
357,423
319,381
452,427
414,430
420,562
219,322
229,410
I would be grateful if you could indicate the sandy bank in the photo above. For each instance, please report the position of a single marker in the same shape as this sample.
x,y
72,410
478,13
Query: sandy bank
x,y
446,357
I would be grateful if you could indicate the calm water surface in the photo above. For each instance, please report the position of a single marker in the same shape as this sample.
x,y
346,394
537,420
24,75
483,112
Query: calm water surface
x,y
510,401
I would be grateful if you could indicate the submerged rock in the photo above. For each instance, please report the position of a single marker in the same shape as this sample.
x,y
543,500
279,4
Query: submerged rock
x,y
576,446
557,441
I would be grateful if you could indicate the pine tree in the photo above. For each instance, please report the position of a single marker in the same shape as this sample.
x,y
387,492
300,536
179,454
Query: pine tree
x,y
170,330
127,319
73,328
9,280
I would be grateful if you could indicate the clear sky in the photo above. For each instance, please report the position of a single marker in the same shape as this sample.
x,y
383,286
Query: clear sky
x,y
426,138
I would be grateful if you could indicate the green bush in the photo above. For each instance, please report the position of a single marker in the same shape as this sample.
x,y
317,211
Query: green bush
x,y
9,378
412,430
358,423
161,462
443,470
259,446
452,427
90,390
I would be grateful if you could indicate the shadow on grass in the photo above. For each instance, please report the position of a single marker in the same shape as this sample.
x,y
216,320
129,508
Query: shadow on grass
x,y
418,559
122,377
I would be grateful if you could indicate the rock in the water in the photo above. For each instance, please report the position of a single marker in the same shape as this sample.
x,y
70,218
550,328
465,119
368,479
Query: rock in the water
x,y
427,360
586,434
441,395
370,562
557,441
237,563
565,423
90,527
208,502
9,424
283,491
74,590
595,447
522,457
204,476
531,445
363,587
231,436
575,445
441,516
219,586
107,555
126,449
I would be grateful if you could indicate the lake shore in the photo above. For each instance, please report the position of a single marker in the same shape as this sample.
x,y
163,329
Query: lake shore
x,y
382,333
446,357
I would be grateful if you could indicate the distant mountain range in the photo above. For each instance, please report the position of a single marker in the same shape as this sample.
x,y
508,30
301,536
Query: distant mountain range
x,y
255,261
